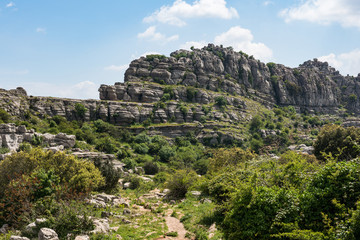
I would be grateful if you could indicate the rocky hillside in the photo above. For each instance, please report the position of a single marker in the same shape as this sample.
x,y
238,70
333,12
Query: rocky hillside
x,y
313,86
208,91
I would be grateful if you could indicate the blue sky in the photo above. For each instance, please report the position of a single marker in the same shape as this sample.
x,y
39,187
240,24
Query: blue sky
x,y
69,48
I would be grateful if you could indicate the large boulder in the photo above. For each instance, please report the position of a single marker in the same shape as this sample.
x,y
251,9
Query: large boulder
x,y
47,234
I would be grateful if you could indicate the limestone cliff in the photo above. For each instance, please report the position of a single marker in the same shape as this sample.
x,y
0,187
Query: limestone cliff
x,y
313,86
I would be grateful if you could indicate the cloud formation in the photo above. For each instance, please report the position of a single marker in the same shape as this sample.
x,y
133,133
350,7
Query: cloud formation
x,y
10,4
241,39
346,63
180,10
152,35
344,12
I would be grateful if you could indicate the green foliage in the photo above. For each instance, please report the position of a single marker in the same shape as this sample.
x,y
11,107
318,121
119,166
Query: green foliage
x,y
221,101
293,88
71,217
223,157
165,153
340,142
80,110
4,116
109,172
79,175
107,145
142,138
256,123
151,57
172,234
4,150
151,168
180,182
180,55
352,98
166,97
141,148
254,212
191,93
25,147
332,190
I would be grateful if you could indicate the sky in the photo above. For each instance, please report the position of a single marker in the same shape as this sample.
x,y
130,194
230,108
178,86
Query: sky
x,y
66,48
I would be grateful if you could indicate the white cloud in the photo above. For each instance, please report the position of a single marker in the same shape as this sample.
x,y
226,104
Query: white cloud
x,y
152,35
116,68
344,12
10,4
346,63
40,30
181,10
267,3
194,44
241,39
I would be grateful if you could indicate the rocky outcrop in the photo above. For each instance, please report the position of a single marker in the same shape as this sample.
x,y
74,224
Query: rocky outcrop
x,y
11,136
313,86
47,234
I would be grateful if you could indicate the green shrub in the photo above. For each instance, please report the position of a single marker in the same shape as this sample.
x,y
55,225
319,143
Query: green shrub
x,y
191,93
255,210
109,172
221,101
180,182
342,143
107,145
165,153
4,150
142,138
141,148
256,123
79,175
151,168
25,147
80,110
4,116
151,57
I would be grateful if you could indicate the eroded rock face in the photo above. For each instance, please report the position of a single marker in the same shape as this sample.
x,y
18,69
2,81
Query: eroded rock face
x,y
11,136
313,86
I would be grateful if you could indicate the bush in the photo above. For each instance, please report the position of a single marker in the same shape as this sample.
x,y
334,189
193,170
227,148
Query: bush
x,y
4,116
221,101
151,168
229,158
254,212
79,175
141,148
142,138
180,182
107,145
256,123
80,110
342,143
4,150
111,174
165,153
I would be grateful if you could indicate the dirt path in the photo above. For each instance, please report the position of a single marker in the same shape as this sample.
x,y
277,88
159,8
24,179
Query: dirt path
x,y
174,225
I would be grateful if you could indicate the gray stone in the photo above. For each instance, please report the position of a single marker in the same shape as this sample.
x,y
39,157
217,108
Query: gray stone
x,y
4,229
47,234
82,237
18,238
101,226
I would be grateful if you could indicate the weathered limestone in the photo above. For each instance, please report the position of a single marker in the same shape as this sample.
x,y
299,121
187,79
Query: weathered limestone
x,y
11,136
